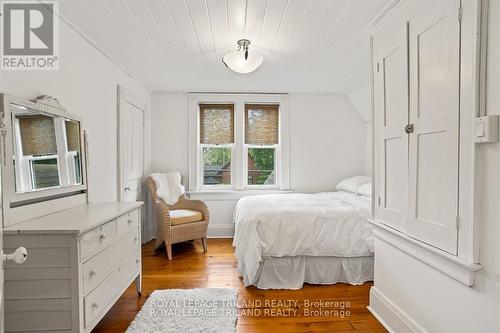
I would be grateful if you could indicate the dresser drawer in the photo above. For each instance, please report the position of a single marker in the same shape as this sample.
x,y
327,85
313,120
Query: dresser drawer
x,y
100,266
128,222
97,239
101,297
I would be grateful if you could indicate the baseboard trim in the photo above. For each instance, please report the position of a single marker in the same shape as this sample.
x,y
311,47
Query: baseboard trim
x,y
390,315
220,230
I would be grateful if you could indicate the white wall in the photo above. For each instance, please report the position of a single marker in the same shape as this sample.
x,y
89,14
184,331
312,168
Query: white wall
x,y
86,84
361,99
368,148
170,133
327,143
434,301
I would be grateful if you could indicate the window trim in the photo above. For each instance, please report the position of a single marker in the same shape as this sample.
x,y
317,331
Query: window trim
x,y
239,163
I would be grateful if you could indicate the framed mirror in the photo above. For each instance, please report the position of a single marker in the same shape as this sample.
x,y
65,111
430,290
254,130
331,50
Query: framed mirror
x,y
43,155
47,150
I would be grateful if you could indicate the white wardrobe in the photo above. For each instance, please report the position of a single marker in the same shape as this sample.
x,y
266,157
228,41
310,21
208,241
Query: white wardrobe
x,y
426,74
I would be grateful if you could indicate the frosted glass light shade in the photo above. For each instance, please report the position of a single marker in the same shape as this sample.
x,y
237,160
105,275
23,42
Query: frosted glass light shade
x,y
236,61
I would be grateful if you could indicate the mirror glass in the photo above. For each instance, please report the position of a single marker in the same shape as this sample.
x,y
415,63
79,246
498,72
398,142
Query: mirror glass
x,y
47,150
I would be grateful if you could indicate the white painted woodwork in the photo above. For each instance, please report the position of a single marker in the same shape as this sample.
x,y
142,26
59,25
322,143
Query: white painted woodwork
x,y
1,260
436,301
133,157
97,301
434,38
451,196
131,143
128,222
54,289
97,268
302,41
391,109
416,82
18,207
25,213
96,240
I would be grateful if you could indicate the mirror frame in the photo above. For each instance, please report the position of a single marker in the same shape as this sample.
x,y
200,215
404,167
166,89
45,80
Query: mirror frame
x,y
18,207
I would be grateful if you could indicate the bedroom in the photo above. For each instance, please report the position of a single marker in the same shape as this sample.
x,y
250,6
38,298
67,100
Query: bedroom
x,y
172,192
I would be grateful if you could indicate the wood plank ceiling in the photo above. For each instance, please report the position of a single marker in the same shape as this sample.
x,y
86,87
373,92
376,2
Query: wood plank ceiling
x,y
177,45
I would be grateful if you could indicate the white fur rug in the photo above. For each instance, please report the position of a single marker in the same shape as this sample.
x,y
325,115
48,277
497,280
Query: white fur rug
x,y
188,310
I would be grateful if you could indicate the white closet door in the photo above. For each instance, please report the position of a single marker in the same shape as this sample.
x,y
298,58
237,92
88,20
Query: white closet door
x,y
434,111
132,151
391,109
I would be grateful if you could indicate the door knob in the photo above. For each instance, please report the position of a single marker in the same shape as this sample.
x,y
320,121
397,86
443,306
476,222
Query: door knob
x,y
19,256
409,128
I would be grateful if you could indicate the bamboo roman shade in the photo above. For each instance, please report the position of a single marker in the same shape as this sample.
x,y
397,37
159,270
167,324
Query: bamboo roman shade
x,y
73,135
261,124
38,135
216,123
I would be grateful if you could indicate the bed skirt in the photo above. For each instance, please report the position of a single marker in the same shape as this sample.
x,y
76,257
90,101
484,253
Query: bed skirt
x,y
293,272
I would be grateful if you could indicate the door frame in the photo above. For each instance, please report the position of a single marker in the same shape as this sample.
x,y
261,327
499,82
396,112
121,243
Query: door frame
x,y
126,96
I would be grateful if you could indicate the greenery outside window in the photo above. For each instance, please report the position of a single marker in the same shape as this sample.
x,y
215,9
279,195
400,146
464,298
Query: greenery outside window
x,y
261,168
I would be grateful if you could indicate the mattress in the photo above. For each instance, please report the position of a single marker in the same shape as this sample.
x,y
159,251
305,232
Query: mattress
x,y
331,224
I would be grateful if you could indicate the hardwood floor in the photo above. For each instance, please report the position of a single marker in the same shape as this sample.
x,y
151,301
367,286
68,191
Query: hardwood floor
x,y
191,268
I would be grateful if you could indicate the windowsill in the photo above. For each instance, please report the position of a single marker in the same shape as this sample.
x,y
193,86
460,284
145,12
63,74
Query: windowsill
x,y
229,194
453,266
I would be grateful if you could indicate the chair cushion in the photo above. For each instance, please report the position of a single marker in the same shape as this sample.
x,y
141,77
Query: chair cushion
x,y
183,216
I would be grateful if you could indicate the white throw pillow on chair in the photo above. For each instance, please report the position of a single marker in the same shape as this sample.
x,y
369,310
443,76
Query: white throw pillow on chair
x,y
168,187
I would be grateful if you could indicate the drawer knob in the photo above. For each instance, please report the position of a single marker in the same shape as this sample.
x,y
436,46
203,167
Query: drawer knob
x,y
95,305
137,261
129,221
102,237
93,273
135,239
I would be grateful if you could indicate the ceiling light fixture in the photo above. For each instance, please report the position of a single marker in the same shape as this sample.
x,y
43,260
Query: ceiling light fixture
x,y
241,61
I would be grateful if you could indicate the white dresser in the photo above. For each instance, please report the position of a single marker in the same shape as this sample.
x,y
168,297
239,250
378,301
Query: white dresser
x,y
80,261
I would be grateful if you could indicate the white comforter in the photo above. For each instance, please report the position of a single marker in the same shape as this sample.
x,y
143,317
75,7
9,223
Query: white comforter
x,y
281,225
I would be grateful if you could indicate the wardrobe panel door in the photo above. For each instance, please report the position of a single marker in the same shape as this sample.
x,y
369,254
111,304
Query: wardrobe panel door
x,y
434,94
391,112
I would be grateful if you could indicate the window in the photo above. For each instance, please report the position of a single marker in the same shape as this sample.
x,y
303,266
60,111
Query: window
x,y
73,161
216,143
47,151
261,143
238,142
44,172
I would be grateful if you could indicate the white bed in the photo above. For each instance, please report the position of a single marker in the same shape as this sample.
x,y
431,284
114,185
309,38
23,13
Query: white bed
x,y
285,240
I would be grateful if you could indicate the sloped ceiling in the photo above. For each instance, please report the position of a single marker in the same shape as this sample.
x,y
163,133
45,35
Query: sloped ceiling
x,y
361,100
177,45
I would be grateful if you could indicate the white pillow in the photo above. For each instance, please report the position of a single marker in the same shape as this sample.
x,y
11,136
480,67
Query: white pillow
x,y
365,189
351,184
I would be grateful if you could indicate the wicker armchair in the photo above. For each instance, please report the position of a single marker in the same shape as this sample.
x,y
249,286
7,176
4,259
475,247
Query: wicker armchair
x,y
173,227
